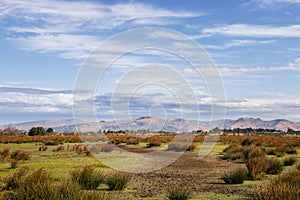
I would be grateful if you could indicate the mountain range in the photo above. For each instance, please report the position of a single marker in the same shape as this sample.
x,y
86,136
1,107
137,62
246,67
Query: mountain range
x,y
157,124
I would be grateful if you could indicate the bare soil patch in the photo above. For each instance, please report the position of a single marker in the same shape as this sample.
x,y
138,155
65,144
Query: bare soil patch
x,y
198,174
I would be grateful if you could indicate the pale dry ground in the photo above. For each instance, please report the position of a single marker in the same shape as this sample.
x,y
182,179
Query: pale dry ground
x,y
201,175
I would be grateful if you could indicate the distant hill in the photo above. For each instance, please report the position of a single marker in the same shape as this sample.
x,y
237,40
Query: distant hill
x,y
156,124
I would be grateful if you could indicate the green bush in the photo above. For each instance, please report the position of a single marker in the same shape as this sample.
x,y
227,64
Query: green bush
x,y
289,161
233,152
285,186
117,180
178,193
236,176
274,166
87,178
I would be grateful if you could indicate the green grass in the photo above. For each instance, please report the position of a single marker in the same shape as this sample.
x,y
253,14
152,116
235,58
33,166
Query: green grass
x,y
58,164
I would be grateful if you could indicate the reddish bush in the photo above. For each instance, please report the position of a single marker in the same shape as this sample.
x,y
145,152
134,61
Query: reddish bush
x,y
4,154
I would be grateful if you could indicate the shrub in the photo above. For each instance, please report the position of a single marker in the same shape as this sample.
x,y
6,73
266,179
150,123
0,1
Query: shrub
x,y
236,176
117,180
285,186
59,148
290,150
233,152
285,149
153,144
43,148
50,143
247,141
274,166
178,193
132,141
192,147
254,152
256,166
271,151
87,178
289,161
4,154
14,181
40,186
20,155
13,164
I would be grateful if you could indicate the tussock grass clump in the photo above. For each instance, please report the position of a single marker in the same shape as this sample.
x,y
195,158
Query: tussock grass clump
x,y
20,155
274,166
14,181
236,176
59,148
4,154
271,151
247,141
178,193
39,186
153,144
289,161
87,178
256,166
233,152
13,164
117,180
253,152
280,150
181,147
285,186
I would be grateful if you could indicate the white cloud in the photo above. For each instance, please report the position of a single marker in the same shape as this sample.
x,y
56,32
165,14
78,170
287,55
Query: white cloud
x,y
248,30
239,43
268,3
237,71
58,26
67,45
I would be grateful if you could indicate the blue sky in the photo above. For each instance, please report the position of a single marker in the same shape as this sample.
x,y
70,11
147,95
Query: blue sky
x,y
254,45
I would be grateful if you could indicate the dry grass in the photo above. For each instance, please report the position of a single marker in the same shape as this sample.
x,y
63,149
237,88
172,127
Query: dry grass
x,y
285,186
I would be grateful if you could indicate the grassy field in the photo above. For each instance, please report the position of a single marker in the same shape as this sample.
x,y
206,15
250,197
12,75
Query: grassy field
x,y
205,172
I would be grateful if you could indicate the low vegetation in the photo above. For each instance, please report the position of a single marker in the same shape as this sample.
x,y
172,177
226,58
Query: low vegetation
x,y
289,161
21,157
39,186
235,176
178,193
285,186
88,178
117,180
274,166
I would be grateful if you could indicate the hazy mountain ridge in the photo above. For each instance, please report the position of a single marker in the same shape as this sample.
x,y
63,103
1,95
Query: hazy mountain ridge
x,y
156,124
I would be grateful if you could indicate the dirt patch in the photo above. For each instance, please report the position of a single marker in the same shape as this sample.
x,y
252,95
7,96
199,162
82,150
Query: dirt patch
x,y
198,174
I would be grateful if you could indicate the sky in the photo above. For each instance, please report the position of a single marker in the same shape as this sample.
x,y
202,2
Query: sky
x,y
254,46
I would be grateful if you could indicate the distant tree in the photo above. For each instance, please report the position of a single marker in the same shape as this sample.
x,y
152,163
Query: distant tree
x,y
10,130
289,130
50,131
36,131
